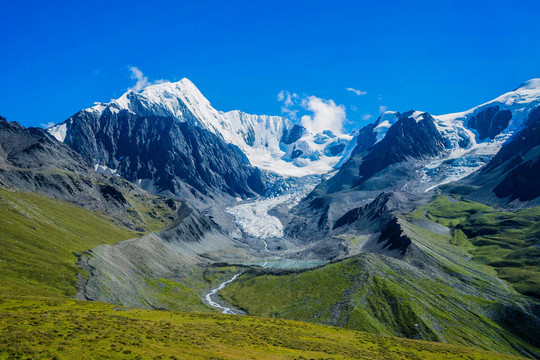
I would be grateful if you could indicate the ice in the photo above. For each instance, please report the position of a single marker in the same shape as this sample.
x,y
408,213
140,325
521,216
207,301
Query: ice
x,y
253,218
59,131
257,136
386,120
466,153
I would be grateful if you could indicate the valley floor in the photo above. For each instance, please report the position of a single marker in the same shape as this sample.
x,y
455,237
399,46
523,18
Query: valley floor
x,y
39,319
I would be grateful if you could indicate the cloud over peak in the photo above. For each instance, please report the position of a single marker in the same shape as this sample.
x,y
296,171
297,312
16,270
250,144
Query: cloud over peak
x,y
289,100
326,115
47,125
142,81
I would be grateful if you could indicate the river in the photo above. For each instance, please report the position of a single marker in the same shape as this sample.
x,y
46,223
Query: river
x,y
224,309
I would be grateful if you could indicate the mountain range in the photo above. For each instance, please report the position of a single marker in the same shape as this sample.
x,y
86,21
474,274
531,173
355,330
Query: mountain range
x,y
416,225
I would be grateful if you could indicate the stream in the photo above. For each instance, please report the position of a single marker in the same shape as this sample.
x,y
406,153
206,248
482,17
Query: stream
x,y
225,310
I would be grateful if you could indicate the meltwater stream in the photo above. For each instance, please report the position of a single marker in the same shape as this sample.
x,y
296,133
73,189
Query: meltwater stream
x,y
225,310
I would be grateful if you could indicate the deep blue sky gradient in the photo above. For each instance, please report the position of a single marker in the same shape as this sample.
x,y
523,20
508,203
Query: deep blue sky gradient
x,y
438,56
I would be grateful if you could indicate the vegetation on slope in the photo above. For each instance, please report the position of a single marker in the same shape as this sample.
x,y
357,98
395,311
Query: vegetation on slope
x,y
39,237
381,295
507,241
149,213
435,292
68,329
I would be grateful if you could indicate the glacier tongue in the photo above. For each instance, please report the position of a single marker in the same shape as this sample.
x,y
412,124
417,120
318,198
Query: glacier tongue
x,y
253,217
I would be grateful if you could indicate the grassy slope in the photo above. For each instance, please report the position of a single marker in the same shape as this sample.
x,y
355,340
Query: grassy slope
x,y
187,294
38,238
444,297
148,213
38,320
507,241
377,295
73,330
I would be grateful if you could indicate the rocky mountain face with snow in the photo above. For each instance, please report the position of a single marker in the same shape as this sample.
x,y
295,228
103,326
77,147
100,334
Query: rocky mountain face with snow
x,y
163,155
169,140
414,152
510,179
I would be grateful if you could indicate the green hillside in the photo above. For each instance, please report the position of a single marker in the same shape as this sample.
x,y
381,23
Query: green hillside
x,y
39,240
436,292
507,241
39,237
70,329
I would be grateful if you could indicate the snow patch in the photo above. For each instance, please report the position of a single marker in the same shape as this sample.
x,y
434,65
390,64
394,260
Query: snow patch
x,y
59,131
386,120
257,136
103,169
466,153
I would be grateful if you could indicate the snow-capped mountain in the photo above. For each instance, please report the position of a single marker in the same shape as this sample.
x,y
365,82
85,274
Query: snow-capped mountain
x,y
271,143
471,137
442,148
414,152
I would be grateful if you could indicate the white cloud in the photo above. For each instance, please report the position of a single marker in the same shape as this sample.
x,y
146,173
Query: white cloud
x,y
383,108
326,115
357,92
289,100
142,81
47,125
366,117
354,108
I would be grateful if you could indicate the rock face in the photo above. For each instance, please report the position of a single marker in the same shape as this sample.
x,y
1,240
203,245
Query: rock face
x,y
163,155
409,138
490,122
32,160
170,140
414,152
511,177
377,217
374,167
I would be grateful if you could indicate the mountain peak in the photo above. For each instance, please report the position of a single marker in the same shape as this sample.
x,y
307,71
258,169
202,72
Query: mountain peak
x,y
533,84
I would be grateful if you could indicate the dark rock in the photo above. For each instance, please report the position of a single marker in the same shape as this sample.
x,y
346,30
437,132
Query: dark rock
x,y
292,135
490,122
178,158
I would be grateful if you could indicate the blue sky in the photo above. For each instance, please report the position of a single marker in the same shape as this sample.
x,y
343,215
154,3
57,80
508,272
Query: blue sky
x,y
437,56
